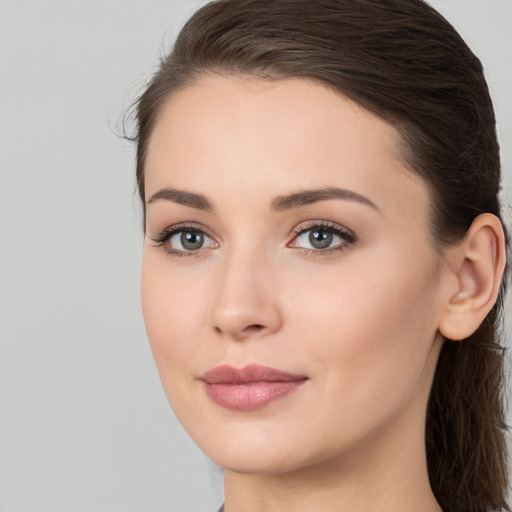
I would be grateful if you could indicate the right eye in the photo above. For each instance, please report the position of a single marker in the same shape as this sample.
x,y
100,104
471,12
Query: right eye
x,y
188,240
182,241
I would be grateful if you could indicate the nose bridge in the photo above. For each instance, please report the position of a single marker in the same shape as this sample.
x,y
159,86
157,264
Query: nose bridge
x,y
245,303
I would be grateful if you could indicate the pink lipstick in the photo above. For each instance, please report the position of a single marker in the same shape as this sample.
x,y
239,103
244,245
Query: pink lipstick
x,y
248,388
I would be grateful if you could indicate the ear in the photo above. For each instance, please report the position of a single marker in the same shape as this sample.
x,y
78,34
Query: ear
x,y
476,267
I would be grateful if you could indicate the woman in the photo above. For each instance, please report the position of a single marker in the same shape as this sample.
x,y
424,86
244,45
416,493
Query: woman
x,y
324,258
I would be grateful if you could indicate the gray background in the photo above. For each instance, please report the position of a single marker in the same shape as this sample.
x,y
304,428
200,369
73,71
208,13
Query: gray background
x,y
84,424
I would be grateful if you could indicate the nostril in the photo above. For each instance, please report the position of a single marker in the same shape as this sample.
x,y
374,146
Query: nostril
x,y
250,330
254,328
241,333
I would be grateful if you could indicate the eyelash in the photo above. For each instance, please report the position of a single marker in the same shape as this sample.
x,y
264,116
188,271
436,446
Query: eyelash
x,y
347,236
164,236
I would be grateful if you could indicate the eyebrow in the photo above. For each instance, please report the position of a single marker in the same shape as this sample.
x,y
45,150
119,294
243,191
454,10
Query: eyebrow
x,y
306,197
279,204
184,197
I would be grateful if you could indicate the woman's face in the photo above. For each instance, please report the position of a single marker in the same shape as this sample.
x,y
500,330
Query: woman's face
x,y
290,289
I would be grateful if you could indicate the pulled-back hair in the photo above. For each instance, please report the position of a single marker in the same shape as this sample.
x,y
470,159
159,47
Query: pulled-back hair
x,y
404,62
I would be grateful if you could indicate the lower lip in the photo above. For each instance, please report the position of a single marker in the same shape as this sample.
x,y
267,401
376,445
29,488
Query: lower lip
x,y
251,395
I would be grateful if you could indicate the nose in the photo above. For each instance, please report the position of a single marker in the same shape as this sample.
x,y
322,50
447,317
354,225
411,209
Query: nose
x,y
246,303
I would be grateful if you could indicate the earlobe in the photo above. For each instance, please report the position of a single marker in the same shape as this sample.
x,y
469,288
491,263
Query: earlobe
x,y
477,265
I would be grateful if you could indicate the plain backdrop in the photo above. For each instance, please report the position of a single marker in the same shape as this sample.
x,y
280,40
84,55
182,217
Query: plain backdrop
x,y
84,424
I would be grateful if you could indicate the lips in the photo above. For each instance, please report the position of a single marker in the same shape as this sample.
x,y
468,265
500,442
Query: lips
x,y
249,388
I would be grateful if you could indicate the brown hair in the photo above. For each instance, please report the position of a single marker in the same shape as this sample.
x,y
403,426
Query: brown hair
x,y
404,62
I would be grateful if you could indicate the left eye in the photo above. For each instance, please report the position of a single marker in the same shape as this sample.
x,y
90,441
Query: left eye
x,y
321,237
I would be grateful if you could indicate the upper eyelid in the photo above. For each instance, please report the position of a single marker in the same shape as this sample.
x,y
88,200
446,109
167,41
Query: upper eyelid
x,y
308,225
182,226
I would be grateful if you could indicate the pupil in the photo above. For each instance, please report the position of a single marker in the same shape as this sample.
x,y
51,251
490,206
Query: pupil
x,y
191,240
320,239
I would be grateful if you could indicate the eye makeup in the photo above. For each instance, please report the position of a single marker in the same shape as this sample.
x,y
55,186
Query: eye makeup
x,y
321,236
315,237
193,238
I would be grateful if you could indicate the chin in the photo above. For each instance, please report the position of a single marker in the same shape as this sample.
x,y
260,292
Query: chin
x,y
255,462
247,454
260,449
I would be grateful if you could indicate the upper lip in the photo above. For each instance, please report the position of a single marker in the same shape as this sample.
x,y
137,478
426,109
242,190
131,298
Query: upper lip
x,y
226,374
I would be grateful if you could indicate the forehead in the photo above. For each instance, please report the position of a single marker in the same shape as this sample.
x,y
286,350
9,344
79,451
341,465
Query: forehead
x,y
239,133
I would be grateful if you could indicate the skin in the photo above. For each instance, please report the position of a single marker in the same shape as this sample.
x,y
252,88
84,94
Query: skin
x,y
362,322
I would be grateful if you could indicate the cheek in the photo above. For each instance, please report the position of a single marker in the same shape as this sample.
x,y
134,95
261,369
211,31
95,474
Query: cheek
x,y
172,307
374,300
369,332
